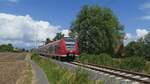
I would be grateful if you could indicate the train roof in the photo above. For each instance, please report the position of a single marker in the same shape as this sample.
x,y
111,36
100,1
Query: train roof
x,y
52,42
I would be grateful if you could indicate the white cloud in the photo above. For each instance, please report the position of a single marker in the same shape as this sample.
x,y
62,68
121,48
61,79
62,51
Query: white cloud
x,y
141,32
13,0
10,1
146,17
145,6
128,36
22,31
65,32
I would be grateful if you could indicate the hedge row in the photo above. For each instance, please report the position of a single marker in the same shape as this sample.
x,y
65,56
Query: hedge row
x,y
137,64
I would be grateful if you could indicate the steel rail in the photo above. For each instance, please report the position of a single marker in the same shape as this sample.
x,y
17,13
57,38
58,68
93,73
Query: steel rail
x,y
121,70
99,68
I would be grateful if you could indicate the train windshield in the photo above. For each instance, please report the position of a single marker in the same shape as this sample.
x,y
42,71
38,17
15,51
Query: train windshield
x,y
70,43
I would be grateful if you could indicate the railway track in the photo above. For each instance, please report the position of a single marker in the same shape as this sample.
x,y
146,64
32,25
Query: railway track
x,y
133,76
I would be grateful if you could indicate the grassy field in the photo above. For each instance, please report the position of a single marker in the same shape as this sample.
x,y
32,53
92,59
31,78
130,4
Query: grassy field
x,y
59,75
14,69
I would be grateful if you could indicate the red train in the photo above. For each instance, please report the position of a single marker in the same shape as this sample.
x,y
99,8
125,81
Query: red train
x,y
65,48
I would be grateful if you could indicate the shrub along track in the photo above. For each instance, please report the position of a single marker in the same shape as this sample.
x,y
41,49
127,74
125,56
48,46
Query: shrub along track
x,y
141,78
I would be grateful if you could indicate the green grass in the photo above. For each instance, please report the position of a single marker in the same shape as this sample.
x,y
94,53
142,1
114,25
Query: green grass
x,y
59,75
29,75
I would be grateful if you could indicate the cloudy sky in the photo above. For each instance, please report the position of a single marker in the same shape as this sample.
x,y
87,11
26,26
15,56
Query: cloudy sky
x,y
24,21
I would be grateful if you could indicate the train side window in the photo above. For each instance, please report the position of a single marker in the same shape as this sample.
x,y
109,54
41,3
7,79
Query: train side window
x,y
50,48
56,46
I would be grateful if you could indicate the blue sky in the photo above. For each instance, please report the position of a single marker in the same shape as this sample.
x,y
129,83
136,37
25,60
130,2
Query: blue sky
x,y
62,12
133,14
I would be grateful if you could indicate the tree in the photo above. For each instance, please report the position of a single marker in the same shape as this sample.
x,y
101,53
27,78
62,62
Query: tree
x,y
97,29
6,48
147,39
147,46
141,47
47,41
134,49
58,36
10,47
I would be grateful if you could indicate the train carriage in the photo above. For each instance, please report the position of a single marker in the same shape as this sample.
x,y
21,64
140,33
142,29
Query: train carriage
x,y
65,48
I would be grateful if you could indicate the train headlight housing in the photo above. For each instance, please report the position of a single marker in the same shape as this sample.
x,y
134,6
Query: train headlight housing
x,y
71,54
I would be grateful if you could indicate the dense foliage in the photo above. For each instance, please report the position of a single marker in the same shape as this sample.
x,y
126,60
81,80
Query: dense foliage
x,y
139,48
6,48
130,63
147,39
97,29
134,49
102,59
47,40
147,46
58,36
133,63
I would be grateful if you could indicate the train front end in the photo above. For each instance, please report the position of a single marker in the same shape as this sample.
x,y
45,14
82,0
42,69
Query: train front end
x,y
72,50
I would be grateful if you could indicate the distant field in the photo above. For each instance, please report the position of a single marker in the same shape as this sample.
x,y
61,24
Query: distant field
x,y
12,66
11,57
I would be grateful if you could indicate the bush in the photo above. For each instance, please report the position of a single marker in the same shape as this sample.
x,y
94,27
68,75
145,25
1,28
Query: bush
x,y
138,48
130,63
102,59
147,68
134,49
133,63
116,63
6,48
84,57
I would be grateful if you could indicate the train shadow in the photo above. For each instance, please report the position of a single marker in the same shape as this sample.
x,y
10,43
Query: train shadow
x,y
64,59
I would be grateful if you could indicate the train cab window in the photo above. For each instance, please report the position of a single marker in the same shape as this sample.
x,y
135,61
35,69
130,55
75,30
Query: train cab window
x,y
69,39
70,46
70,43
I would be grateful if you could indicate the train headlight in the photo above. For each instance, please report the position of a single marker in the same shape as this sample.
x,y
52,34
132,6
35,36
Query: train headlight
x,y
71,55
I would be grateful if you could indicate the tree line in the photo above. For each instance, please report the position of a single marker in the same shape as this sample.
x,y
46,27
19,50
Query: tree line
x,y
6,47
10,48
